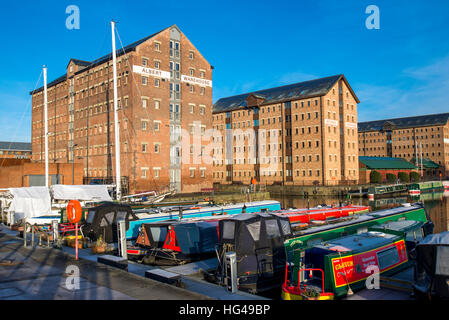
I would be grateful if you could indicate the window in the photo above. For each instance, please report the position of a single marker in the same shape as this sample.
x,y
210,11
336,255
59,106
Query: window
x,y
202,109
157,82
156,125
144,147
156,104
202,91
157,64
192,107
156,172
144,124
191,55
203,172
157,147
157,46
144,173
192,172
144,62
144,81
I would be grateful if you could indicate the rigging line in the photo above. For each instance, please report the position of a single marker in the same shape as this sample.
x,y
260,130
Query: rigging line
x,y
23,115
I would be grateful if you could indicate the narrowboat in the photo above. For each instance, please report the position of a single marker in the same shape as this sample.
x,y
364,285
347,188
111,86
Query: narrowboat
x,y
175,242
333,268
202,212
432,267
258,241
307,234
320,213
427,186
446,185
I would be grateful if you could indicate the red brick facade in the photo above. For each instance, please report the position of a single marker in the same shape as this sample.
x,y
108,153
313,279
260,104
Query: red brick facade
x,y
154,100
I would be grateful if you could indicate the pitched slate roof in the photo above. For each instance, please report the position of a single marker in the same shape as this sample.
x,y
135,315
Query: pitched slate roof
x,y
385,163
408,122
19,146
300,90
103,59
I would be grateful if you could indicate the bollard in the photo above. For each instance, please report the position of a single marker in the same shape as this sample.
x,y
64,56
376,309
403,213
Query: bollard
x,y
231,271
121,232
55,228
25,236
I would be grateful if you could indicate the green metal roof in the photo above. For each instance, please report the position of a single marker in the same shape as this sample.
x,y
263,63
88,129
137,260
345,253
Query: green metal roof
x,y
386,163
427,163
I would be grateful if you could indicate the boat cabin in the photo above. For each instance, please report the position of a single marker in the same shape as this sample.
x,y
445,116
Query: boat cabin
x,y
102,221
345,263
175,242
258,241
432,267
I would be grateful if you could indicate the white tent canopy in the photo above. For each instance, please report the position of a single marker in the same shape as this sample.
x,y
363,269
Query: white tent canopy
x,y
80,192
30,202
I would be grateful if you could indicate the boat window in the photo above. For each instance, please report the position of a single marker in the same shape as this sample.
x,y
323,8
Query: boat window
x,y
110,217
104,222
285,225
90,216
121,215
159,234
254,230
272,228
387,258
228,230
442,261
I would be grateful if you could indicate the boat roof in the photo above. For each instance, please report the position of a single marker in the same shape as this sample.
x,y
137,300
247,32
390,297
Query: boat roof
x,y
359,218
403,225
359,242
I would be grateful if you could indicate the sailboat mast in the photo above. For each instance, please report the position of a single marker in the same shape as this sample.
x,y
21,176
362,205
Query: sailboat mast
x,y
116,126
46,125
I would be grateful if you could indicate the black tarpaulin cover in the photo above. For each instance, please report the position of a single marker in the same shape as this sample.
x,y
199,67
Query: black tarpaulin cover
x,y
432,265
198,237
101,221
258,240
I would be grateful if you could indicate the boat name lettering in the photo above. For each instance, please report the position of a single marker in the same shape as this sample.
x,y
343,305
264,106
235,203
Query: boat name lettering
x,y
347,264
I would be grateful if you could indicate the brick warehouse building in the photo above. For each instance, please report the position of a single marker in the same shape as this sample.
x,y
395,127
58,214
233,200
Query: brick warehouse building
x,y
402,137
164,86
303,133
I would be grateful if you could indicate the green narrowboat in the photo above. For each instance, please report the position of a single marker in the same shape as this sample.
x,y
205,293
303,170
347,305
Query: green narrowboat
x,y
345,264
426,186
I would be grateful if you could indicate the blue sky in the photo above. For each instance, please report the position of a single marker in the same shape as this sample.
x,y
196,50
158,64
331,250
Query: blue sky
x,y
402,69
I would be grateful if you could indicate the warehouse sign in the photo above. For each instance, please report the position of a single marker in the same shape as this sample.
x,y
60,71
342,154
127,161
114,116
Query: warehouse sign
x,y
151,72
199,81
351,125
330,122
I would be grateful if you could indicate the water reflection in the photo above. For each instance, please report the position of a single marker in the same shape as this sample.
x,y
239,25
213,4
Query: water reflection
x,y
436,204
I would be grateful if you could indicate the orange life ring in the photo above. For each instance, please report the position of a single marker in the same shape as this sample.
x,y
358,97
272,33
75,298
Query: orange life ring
x,y
74,211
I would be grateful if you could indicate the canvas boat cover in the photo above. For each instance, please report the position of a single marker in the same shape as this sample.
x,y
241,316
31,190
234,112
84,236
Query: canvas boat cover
x,y
30,202
80,192
432,265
